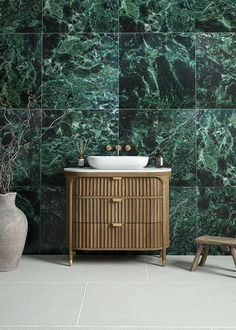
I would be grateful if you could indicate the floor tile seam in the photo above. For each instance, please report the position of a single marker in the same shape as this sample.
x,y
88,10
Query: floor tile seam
x,y
69,283
116,326
82,304
147,275
229,282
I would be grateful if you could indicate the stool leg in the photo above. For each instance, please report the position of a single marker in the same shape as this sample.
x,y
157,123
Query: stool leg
x,y
195,260
204,256
233,252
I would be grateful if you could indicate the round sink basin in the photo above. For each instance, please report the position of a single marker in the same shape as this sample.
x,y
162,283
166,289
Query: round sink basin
x,y
118,162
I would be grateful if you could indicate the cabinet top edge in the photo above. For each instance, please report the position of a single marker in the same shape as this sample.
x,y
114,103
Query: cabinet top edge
x,y
93,170
89,172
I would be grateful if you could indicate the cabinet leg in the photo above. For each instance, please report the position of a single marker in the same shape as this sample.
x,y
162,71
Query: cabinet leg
x,y
70,257
163,256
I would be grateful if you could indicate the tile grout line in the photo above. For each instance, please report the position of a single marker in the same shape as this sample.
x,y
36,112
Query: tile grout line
x,y
179,327
118,64
148,280
41,128
82,304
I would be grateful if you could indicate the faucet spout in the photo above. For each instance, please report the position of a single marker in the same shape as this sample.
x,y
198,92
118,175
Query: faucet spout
x,y
118,148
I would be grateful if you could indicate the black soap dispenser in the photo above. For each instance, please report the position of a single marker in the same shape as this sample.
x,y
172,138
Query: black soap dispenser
x,y
159,159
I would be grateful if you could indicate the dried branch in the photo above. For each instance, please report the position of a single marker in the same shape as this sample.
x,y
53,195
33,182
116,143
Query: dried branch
x,y
14,141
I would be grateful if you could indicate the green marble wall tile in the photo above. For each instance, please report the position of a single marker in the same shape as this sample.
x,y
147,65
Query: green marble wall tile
x,y
20,16
53,220
183,221
59,144
215,61
80,71
28,200
80,16
216,134
156,16
172,130
20,69
26,167
216,213
215,15
157,71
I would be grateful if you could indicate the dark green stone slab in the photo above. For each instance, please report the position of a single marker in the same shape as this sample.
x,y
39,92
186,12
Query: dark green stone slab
x,y
215,61
156,16
28,201
26,167
59,144
80,16
157,71
53,220
80,71
20,67
172,130
20,16
216,160
183,221
215,15
216,213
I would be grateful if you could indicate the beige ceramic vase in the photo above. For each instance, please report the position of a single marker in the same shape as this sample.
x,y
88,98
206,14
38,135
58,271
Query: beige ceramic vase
x,y
13,231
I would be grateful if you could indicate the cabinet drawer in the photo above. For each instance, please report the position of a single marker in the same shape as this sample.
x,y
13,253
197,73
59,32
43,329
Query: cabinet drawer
x,y
127,236
117,209
117,186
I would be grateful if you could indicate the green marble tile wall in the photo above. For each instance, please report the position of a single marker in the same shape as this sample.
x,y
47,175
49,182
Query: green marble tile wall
x,y
145,72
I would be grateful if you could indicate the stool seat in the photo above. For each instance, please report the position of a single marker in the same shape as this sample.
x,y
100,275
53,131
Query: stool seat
x,y
206,242
216,240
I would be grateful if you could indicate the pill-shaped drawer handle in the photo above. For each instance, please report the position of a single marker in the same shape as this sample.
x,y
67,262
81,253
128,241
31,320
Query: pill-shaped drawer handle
x,y
118,200
116,177
116,224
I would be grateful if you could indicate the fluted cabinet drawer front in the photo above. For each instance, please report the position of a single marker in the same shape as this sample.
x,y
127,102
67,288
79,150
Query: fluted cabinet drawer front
x,y
95,210
127,236
141,186
96,186
126,210
141,210
117,186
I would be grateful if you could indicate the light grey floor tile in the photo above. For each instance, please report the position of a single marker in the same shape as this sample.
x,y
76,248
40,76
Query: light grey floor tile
x,y
109,328
40,304
39,328
216,269
84,269
141,328
185,304
224,328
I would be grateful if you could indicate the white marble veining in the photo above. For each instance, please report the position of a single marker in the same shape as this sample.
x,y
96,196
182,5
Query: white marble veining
x,y
143,170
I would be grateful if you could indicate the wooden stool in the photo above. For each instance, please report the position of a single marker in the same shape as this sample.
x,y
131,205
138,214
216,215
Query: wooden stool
x,y
206,242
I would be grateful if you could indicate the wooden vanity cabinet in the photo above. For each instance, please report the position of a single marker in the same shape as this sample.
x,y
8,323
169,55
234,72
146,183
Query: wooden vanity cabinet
x,y
117,210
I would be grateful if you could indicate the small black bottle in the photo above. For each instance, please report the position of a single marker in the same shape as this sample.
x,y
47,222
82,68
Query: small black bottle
x,y
159,159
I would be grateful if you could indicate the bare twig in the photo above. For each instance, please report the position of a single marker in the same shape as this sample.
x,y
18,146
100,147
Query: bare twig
x,y
14,141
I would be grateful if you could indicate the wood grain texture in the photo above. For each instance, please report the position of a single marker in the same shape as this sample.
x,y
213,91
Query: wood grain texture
x,y
216,240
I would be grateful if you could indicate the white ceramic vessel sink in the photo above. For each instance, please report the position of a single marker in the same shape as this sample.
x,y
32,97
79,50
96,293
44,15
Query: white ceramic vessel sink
x,y
118,162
